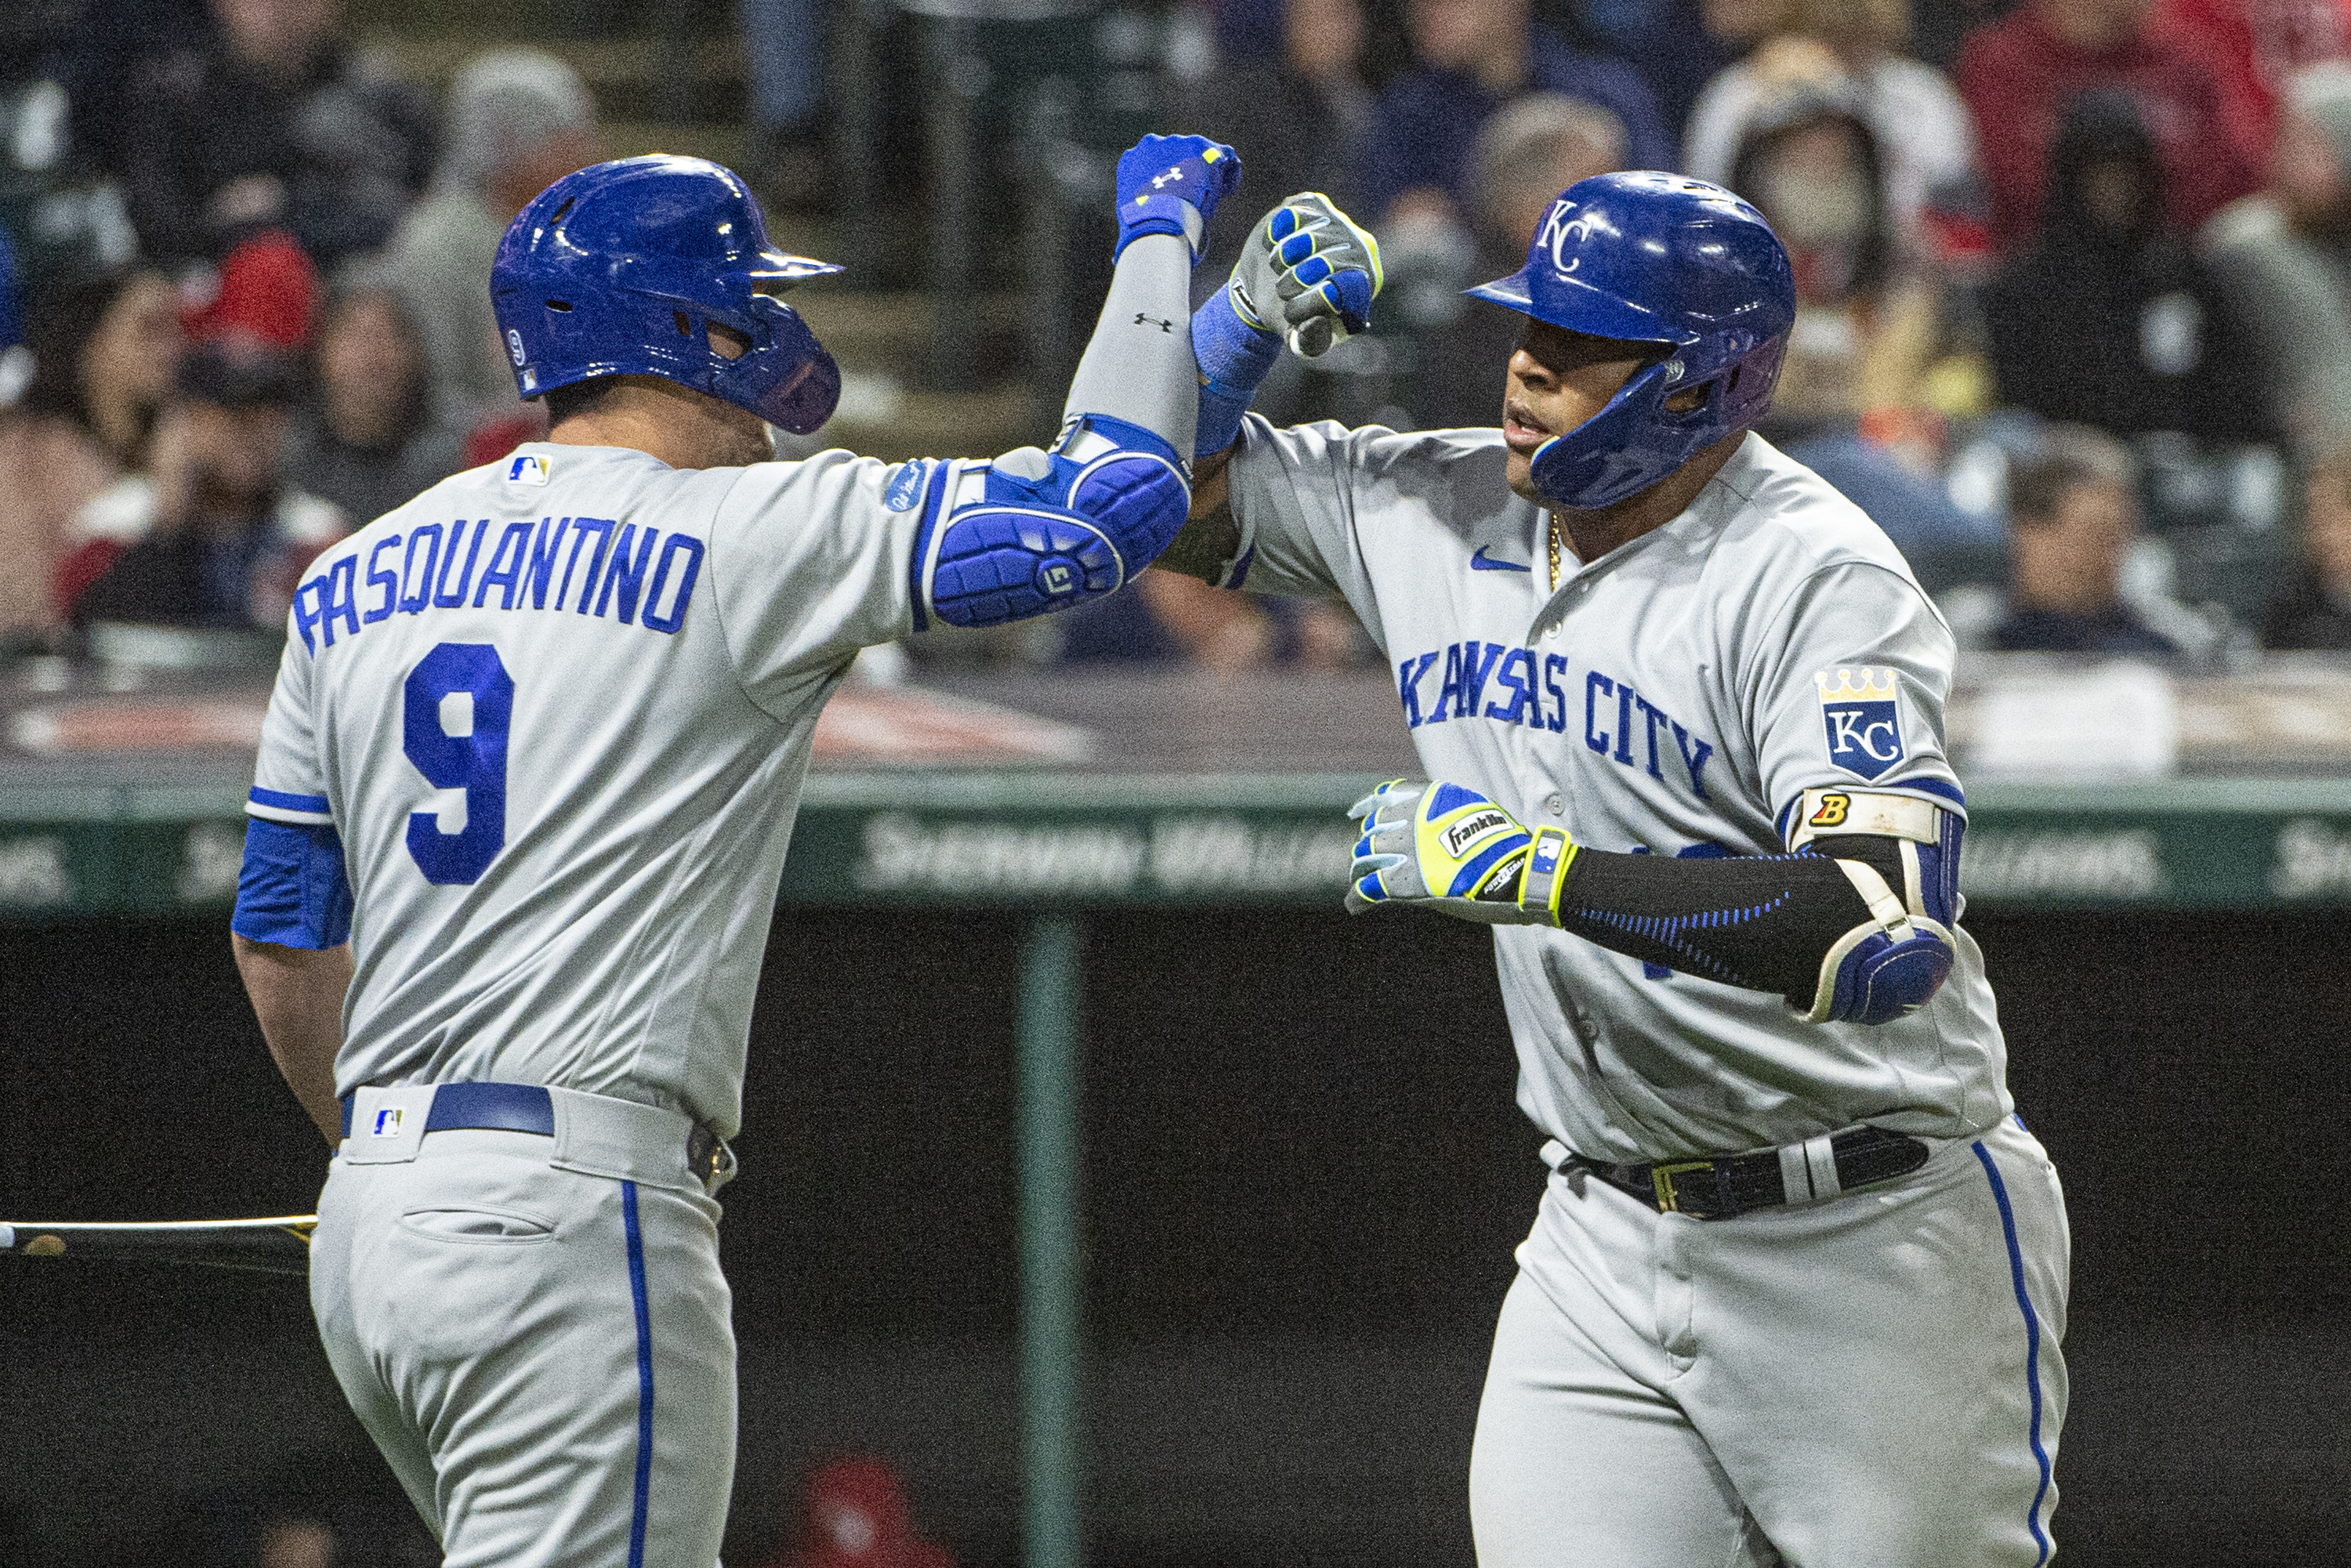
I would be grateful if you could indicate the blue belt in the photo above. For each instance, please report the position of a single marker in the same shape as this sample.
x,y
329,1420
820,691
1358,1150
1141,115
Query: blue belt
x,y
487,1107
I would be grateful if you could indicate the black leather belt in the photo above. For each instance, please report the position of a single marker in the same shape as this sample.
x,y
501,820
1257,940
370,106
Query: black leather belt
x,y
529,1108
1740,1183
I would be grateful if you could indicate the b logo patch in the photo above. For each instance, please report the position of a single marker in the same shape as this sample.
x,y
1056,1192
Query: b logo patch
x,y
1833,809
1862,717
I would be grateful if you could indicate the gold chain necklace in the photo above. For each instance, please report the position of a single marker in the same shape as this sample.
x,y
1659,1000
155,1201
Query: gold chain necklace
x,y
1553,518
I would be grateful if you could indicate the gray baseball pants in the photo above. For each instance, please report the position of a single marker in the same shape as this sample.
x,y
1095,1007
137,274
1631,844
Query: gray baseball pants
x,y
535,1331
1870,1380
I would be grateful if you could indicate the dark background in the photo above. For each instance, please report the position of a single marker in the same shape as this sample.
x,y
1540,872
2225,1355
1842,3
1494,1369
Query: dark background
x,y
1304,1177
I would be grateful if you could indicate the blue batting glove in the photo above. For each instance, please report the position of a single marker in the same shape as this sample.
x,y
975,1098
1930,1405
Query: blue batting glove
x,y
1170,186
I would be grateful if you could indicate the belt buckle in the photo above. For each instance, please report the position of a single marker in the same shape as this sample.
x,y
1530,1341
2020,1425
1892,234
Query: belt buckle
x,y
1661,1180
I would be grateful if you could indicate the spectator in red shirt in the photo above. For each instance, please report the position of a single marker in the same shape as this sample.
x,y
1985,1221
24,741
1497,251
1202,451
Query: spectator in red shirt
x,y
2018,76
2257,44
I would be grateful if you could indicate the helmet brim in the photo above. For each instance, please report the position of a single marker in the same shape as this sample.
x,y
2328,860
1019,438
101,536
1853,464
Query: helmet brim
x,y
1580,307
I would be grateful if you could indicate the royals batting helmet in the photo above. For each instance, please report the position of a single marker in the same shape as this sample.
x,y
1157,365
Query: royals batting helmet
x,y
622,267
1656,258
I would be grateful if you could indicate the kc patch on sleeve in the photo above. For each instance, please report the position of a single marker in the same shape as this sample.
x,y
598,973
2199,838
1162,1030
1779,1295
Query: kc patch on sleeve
x,y
1862,717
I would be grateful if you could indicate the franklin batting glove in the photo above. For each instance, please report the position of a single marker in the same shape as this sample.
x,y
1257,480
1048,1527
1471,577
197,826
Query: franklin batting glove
x,y
1171,185
1447,848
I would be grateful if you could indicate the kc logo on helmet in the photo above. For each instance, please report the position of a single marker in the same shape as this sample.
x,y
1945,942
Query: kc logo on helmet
x,y
1861,713
1558,229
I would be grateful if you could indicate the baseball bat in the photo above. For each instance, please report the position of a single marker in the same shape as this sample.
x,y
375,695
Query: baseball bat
x,y
278,1246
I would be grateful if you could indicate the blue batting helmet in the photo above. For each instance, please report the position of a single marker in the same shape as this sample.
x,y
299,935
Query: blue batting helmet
x,y
1665,259
622,267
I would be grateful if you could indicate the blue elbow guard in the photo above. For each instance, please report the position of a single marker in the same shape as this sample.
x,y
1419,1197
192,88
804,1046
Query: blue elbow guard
x,y
1892,963
292,889
1886,974
1000,545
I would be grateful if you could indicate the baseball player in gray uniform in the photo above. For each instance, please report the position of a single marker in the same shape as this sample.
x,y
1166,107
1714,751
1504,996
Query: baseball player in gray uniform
x,y
522,805
1795,1289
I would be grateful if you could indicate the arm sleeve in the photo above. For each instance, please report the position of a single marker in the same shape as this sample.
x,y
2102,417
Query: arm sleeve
x,y
1762,922
294,889
814,560
1845,685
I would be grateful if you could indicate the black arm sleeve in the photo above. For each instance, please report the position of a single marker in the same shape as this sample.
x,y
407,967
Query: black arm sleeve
x,y
1763,922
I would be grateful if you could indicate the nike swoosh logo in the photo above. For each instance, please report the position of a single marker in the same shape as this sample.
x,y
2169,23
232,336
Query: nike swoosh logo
x,y
1481,561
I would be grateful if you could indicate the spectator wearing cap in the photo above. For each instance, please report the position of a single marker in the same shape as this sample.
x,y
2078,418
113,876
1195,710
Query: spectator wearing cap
x,y
1470,58
262,298
215,536
1850,50
367,439
519,121
2019,75
2073,516
2283,259
1527,153
278,122
2110,319
88,382
2312,607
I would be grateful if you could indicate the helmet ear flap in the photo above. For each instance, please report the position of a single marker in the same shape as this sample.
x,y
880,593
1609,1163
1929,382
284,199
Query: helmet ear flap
x,y
1747,388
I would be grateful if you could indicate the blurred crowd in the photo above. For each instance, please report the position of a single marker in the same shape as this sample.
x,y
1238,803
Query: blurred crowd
x,y
2074,280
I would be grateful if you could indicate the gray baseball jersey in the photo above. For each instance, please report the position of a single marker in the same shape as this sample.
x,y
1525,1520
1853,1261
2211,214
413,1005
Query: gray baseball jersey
x,y
560,709
1676,696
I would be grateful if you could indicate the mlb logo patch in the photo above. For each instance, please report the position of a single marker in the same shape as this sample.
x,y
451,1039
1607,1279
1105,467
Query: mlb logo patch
x,y
528,470
386,1122
1862,717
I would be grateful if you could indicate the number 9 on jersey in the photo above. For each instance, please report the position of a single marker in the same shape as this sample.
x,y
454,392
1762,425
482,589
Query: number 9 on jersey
x,y
456,709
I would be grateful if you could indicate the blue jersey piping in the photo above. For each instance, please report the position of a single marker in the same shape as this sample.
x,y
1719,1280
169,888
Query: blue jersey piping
x,y
644,1377
2031,1346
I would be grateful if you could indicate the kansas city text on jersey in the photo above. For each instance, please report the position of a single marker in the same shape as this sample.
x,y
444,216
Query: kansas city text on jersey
x,y
639,576
1615,716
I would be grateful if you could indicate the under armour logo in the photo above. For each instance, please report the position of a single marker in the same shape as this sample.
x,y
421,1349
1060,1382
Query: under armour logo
x,y
1159,180
1142,321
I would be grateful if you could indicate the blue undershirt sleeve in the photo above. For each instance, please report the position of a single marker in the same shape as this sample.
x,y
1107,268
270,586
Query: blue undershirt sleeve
x,y
293,890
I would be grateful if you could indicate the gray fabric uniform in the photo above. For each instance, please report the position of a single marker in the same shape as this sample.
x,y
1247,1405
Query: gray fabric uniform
x,y
559,710
1679,696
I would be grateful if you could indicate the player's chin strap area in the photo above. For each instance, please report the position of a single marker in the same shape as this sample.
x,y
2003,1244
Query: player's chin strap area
x,y
1822,927
1034,532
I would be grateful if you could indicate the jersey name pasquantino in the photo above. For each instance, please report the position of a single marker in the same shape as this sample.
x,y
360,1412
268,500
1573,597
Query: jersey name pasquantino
x,y
635,575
